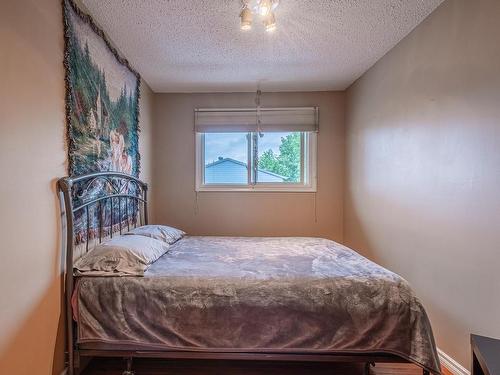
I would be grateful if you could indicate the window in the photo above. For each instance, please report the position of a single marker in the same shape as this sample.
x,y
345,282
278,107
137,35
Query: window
x,y
232,156
226,158
280,157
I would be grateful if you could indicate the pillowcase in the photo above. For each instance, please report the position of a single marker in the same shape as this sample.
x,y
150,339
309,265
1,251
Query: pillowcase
x,y
121,256
159,232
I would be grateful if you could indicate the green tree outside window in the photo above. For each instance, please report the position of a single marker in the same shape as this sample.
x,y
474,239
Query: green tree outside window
x,y
287,162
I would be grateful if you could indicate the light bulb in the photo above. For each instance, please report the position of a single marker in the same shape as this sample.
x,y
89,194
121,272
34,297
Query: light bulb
x,y
264,7
270,22
246,19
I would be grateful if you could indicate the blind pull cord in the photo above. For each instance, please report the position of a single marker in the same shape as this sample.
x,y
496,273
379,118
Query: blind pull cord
x,y
315,208
196,204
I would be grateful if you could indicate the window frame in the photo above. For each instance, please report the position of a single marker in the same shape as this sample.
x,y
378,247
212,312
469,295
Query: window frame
x,y
308,169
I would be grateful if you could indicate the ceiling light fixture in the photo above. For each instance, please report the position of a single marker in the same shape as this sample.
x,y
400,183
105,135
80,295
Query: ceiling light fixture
x,y
246,18
270,22
263,8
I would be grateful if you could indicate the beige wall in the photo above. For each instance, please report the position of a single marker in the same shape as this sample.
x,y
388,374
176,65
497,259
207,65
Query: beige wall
x,y
263,214
32,157
146,138
423,168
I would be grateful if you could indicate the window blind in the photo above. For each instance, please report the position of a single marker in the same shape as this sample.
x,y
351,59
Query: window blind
x,y
227,120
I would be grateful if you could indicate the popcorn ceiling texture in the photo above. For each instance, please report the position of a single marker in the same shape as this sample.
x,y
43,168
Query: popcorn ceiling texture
x,y
197,46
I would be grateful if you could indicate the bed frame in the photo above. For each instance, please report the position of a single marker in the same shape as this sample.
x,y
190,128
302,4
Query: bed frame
x,y
77,198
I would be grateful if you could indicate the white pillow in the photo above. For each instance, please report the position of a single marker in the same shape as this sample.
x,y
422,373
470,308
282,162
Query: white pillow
x,y
159,232
121,256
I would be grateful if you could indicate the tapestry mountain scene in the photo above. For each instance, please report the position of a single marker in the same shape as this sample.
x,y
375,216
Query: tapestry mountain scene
x,y
104,100
102,110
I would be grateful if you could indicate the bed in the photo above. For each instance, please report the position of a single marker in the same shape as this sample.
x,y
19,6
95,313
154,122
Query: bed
x,y
279,299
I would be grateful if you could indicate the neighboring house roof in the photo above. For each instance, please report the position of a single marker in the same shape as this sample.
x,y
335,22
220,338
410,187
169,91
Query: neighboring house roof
x,y
230,171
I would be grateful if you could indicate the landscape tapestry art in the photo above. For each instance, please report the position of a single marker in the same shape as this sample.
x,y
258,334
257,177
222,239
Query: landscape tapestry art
x,y
102,114
102,100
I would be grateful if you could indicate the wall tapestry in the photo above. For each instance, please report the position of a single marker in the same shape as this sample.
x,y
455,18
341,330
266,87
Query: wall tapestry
x,y
102,100
102,108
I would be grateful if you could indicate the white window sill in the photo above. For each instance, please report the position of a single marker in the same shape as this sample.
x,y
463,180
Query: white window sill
x,y
257,189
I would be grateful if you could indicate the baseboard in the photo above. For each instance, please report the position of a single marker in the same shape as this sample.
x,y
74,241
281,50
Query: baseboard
x,y
451,365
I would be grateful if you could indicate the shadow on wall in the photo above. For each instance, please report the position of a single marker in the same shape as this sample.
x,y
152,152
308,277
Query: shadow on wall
x,y
358,241
46,319
395,233
27,345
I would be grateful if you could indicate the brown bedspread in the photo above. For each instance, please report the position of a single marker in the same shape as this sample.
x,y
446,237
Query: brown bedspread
x,y
258,295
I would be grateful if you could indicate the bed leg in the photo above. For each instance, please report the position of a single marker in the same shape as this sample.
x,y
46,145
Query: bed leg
x,y
75,364
367,367
128,371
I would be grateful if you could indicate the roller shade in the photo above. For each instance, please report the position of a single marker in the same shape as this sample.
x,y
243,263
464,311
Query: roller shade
x,y
301,119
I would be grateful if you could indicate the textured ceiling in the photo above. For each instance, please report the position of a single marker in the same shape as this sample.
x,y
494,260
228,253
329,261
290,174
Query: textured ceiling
x,y
197,46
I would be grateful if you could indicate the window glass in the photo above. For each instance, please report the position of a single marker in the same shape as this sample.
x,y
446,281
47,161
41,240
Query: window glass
x,y
226,158
280,157
266,161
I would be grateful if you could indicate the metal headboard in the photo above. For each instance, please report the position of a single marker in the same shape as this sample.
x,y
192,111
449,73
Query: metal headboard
x,y
96,206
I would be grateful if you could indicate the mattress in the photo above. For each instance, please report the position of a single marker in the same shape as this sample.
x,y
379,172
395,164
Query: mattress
x,y
273,295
